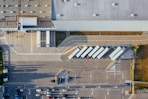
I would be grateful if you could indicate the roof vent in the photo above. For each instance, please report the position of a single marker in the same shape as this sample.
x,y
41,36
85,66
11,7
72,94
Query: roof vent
x,y
60,15
115,4
96,14
77,4
134,14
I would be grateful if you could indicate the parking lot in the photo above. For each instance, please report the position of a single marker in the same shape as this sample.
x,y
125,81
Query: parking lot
x,y
44,72
82,74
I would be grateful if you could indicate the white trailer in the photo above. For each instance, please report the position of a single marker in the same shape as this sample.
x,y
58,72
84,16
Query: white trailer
x,y
74,53
98,52
38,39
81,51
86,52
103,52
115,51
93,51
118,54
47,38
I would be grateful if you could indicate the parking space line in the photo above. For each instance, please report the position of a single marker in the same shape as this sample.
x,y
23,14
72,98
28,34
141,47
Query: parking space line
x,y
107,91
122,91
92,92
122,75
115,74
31,44
17,38
106,75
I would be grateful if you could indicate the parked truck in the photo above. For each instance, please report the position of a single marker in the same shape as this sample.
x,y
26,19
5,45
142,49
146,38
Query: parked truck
x,y
86,52
98,52
93,51
103,53
74,53
81,51
115,51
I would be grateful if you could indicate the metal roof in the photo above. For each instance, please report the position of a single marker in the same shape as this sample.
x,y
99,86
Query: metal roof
x,y
101,25
100,10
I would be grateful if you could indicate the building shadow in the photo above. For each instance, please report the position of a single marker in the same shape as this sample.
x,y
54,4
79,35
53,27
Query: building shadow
x,y
53,13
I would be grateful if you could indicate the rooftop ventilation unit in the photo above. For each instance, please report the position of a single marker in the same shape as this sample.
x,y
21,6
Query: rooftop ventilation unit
x,y
16,5
96,14
77,4
115,4
27,5
46,5
22,11
60,15
12,11
2,11
36,5
134,14
32,11
41,11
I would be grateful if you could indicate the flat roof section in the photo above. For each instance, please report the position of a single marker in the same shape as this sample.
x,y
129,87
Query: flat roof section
x,y
28,21
100,10
101,25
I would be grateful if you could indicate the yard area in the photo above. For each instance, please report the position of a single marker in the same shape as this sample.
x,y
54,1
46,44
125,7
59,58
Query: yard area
x,y
141,69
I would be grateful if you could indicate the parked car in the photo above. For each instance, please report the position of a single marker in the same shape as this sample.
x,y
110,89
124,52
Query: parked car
x,y
5,70
5,77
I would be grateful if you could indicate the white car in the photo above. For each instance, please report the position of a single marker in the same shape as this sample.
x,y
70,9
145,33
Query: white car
x,y
38,90
5,70
5,79
37,95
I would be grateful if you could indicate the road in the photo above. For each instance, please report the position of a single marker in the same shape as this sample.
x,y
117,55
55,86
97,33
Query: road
x,y
29,90
103,40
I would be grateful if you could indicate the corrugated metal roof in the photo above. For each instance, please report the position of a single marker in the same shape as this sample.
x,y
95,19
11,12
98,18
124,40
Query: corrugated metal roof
x,y
101,25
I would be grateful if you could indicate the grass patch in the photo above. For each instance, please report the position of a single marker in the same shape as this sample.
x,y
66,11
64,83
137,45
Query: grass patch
x,y
141,69
60,36
140,86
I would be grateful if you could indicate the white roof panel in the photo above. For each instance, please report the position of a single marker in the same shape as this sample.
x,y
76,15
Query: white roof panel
x,y
28,21
101,25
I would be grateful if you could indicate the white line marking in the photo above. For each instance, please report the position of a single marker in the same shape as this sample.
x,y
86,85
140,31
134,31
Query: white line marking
x,y
107,91
31,44
122,75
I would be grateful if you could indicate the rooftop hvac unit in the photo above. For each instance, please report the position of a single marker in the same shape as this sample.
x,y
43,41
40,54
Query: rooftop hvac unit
x,y
96,14
6,5
46,5
36,5
12,11
41,11
77,4
60,15
134,14
2,11
114,4
22,12
27,5
16,5
31,11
